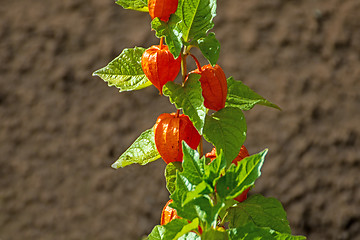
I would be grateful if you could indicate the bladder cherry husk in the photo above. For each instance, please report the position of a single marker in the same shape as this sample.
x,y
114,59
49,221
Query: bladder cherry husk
x,y
168,214
162,8
159,65
213,84
170,129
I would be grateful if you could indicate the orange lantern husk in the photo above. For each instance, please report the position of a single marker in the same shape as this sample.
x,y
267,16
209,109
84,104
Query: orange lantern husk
x,y
162,8
168,214
214,86
170,130
159,65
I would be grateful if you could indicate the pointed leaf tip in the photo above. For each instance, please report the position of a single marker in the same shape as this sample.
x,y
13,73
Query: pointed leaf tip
x,y
125,71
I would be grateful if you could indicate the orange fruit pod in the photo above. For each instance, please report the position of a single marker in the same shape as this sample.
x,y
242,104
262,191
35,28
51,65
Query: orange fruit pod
x,y
170,129
242,154
162,8
160,66
213,84
168,214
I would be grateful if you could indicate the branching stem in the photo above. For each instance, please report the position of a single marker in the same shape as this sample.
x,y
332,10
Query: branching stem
x,y
183,65
161,42
197,62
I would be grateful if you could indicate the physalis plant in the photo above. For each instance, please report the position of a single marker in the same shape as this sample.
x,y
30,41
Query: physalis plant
x,y
208,192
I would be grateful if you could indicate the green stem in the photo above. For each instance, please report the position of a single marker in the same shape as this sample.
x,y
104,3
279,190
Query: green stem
x,y
183,64
200,148
184,54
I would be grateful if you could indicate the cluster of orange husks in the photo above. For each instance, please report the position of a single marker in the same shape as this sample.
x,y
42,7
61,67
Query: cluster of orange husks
x,y
171,129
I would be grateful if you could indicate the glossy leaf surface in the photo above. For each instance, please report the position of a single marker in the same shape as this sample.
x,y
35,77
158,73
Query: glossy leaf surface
x,y
196,17
240,177
210,48
138,5
189,99
226,130
125,71
142,151
171,32
241,96
262,211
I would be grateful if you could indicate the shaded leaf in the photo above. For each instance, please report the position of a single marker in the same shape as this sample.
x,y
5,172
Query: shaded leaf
x,y
218,234
262,211
226,130
171,32
250,232
210,48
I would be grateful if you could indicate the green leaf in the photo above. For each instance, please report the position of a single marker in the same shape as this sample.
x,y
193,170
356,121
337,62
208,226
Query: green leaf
x,y
215,169
125,71
183,187
286,236
138,5
226,130
250,232
170,176
213,234
142,151
190,236
241,96
228,203
193,166
191,198
188,98
157,233
171,32
240,177
178,227
200,190
196,17
210,48
262,211
201,207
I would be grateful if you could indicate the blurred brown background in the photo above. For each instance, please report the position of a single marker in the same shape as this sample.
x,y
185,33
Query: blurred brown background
x,y
61,128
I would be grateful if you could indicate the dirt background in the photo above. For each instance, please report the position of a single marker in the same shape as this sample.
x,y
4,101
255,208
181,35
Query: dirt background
x,y
61,128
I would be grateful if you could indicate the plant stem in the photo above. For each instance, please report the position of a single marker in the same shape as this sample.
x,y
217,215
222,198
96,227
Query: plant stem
x,y
200,147
197,62
161,42
183,64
